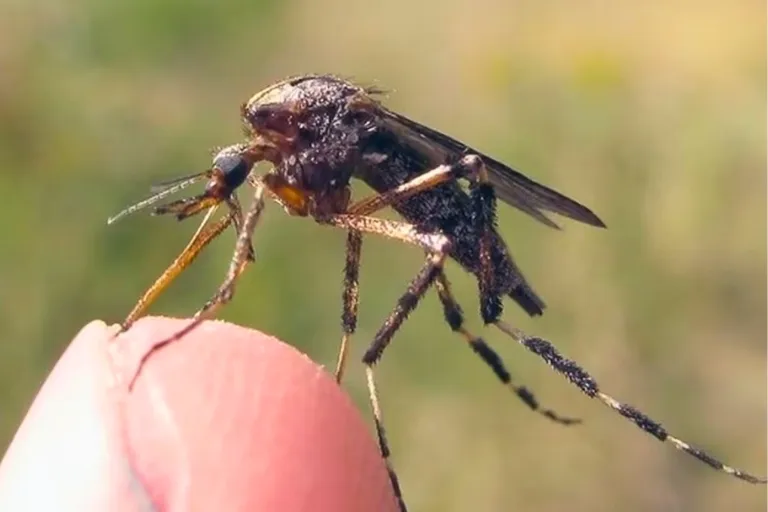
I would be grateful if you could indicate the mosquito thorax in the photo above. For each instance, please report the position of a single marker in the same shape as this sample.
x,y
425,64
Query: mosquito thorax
x,y
309,121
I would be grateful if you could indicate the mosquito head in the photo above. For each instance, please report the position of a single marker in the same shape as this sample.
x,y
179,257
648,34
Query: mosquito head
x,y
230,168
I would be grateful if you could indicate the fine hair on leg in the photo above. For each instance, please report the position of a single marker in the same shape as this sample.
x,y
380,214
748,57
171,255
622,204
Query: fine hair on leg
x,y
240,258
436,245
454,316
587,384
199,241
350,298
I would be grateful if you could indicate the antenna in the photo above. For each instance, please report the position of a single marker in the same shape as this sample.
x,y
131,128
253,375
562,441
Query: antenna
x,y
162,190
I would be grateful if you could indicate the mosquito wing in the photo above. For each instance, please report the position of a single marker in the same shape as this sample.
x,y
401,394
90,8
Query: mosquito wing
x,y
513,187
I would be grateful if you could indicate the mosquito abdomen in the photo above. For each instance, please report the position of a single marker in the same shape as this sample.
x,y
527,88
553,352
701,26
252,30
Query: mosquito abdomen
x,y
447,208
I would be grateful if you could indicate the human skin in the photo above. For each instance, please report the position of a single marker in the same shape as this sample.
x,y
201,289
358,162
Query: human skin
x,y
225,419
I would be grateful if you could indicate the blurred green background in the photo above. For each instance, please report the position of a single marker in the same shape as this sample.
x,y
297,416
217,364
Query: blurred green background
x,y
652,114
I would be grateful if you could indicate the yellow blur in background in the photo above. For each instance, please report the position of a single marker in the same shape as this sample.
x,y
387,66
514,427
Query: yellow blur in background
x,y
651,114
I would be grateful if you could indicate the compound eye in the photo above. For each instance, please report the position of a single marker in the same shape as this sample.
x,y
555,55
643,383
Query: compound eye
x,y
228,158
232,164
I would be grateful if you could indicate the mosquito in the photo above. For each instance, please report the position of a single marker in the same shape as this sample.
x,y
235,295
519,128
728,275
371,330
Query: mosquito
x,y
320,131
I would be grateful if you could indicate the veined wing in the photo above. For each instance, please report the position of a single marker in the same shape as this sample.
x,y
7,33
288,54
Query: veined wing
x,y
513,187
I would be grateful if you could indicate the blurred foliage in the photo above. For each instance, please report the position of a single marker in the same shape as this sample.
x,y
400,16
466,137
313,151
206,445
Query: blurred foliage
x,y
653,114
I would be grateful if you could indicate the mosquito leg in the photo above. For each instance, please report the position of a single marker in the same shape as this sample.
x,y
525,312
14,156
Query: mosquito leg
x,y
234,206
381,435
240,258
407,303
437,246
455,318
201,238
582,380
350,298
227,288
468,167
483,199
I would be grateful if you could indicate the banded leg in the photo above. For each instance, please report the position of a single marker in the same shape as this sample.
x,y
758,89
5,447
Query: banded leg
x,y
455,318
381,435
240,258
586,383
437,246
350,298
405,305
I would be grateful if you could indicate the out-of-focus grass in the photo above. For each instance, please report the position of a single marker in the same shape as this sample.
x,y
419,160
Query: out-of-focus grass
x,y
653,115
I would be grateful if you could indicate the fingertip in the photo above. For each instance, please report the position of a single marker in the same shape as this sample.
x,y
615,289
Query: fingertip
x,y
229,418
226,419
66,454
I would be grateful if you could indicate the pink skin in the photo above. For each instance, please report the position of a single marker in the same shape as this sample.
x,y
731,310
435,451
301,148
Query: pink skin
x,y
227,419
